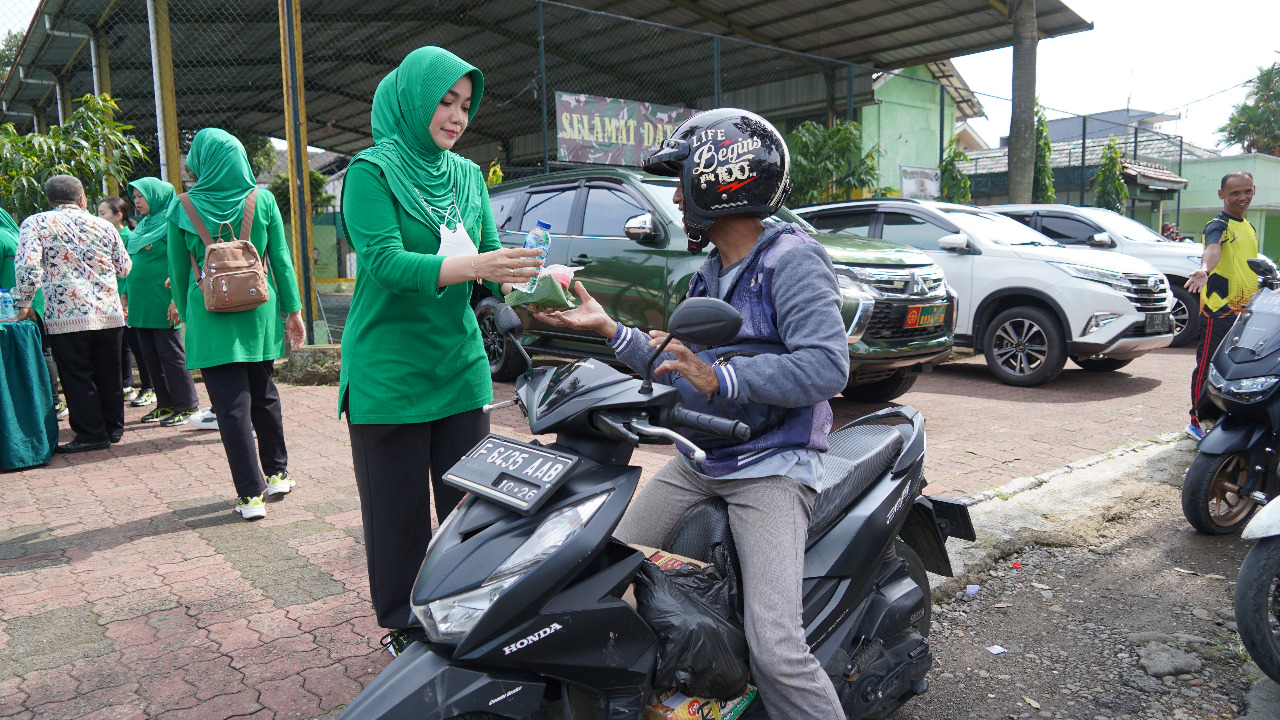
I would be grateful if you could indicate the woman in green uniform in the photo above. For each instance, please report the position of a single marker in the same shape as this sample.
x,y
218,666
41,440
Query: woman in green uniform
x,y
116,211
414,370
9,248
159,342
236,351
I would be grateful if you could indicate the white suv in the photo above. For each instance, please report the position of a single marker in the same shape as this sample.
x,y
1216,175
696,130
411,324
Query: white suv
x,y
1101,229
1025,302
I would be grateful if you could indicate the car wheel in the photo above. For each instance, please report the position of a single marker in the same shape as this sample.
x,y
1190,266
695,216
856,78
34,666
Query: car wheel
x,y
1024,346
1099,364
1185,317
505,361
1211,499
878,391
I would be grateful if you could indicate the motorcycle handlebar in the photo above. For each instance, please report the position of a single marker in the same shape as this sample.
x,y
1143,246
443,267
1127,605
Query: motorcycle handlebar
x,y
710,424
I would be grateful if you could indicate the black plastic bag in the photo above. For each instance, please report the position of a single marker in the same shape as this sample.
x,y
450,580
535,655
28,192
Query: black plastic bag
x,y
701,653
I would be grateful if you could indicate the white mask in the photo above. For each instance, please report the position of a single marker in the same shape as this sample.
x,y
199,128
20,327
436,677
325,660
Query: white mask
x,y
456,242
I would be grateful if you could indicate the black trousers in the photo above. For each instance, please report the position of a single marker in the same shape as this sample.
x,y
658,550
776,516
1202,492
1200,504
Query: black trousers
x,y
245,400
398,469
89,366
1216,327
166,360
131,355
48,359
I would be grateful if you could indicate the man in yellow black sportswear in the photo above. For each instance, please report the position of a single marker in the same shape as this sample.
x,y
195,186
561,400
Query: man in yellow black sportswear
x,y
1224,279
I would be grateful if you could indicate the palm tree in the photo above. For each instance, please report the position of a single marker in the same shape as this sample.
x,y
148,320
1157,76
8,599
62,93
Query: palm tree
x,y
1255,123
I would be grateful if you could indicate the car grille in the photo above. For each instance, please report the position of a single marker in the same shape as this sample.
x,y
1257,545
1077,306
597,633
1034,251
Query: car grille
x,y
923,282
1150,293
888,318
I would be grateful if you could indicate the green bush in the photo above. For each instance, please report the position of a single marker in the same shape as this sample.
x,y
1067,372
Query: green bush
x,y
829,163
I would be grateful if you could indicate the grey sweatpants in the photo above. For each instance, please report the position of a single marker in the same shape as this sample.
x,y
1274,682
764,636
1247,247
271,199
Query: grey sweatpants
x,y
769,517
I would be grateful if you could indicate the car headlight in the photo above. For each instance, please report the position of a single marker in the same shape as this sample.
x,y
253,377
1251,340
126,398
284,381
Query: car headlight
x,y
1115,280
450,619
1196,259
1246,390
855,287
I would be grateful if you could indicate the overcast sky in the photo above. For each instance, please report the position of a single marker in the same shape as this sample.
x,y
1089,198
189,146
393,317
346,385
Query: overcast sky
x,y
1153,55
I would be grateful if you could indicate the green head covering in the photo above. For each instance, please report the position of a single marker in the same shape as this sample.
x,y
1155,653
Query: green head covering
x,y
223,180
7,225
417,169
154,226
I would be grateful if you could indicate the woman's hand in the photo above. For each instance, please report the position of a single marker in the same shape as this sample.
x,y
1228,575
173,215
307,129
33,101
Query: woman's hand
x,y
295,330
508,265
590,315
174,319
700,375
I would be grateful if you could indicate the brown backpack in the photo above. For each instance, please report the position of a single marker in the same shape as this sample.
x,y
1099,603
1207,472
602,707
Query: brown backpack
x,y
234,277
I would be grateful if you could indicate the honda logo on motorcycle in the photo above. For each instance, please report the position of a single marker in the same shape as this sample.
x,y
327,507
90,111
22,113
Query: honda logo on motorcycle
x,y
526,642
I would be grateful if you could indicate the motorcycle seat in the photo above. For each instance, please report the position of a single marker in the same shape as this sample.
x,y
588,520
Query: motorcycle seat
x,y
860,454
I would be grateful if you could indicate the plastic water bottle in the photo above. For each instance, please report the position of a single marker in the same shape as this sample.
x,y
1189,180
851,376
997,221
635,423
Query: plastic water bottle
x,y
8,310
540,239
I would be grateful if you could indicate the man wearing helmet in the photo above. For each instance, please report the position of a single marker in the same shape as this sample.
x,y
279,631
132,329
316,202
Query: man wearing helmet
x,y
789,358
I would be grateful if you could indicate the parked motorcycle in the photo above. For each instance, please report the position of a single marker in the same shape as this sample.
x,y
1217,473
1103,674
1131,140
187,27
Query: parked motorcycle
x,y
521,592
1258,592
1235,470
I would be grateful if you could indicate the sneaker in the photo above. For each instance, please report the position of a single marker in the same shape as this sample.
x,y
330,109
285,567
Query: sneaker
x,y
1195,432
143,398
395,641
157,415
129,393
61,409
251,508
178,417
280,484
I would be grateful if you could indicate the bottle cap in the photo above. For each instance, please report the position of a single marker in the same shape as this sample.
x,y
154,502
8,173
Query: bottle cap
x,y
544,224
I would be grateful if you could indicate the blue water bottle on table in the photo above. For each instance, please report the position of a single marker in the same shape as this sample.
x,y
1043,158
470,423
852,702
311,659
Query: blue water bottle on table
x,y
8,310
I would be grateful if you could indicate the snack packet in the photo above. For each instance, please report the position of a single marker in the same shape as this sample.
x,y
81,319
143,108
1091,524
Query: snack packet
x,y
550,291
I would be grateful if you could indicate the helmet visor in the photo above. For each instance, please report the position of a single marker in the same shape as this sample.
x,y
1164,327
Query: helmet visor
x,y
666,160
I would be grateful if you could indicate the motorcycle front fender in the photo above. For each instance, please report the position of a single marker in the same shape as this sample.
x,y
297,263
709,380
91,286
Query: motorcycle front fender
x,y
1266,523
421,685
1227,437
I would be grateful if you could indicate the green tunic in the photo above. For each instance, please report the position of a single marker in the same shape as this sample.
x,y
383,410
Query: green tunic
x,y
246,336
121,283
411,352
148,297
9,249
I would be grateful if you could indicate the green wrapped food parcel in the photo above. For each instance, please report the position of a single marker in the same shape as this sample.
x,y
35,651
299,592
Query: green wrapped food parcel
x,y
550,292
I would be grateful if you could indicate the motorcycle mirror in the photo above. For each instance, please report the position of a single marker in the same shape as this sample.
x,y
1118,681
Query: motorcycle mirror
x,y
701,321
508,322
1260,265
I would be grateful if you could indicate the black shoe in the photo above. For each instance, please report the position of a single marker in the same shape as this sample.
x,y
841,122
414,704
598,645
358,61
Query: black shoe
x,y
76,446
395,641
116,438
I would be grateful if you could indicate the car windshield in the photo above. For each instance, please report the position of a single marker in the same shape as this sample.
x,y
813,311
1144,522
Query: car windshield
x,y
662,195
1131,229
996,228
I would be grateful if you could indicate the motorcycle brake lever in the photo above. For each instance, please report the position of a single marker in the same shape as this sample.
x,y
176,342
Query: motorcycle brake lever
x,y
495,406
698,454
616,426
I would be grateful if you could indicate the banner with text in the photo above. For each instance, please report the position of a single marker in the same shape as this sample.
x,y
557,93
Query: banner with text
x,y
609,131
921,183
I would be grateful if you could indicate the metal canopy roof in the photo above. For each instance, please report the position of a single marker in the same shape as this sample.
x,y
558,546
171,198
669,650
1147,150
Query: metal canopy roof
x,y
227,53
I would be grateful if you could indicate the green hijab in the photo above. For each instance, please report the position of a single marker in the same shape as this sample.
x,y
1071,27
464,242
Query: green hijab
x,y
223,180
154,226
416,168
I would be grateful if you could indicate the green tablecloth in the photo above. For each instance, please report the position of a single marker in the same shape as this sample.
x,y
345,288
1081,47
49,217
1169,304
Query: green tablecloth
x,y
28,423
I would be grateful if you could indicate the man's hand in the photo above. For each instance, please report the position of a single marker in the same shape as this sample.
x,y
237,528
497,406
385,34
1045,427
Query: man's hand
x,y
590,315
295,330
24,313
174,319
700,375
1196,280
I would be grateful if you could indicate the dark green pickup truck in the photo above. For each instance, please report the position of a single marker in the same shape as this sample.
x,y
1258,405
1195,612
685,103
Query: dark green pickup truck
x,y
622,227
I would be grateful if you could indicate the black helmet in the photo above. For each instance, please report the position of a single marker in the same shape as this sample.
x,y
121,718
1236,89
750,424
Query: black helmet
x,y
730,162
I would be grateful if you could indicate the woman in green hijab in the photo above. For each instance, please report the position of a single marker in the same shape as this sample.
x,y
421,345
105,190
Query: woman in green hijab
x,y
115,210
151,308
8,278
414,370
236,351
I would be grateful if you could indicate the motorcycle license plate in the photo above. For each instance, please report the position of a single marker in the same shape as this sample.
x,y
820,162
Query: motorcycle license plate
x,y
919,316
1157,322
513,474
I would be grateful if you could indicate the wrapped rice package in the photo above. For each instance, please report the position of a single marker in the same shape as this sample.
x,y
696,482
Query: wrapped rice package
x,y
552,290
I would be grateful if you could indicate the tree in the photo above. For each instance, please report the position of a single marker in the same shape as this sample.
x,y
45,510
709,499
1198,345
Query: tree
x,y
261,151
320,200
90,146
955,185
9,48
1255,123
1022,122
1112,192
827,163
1042,181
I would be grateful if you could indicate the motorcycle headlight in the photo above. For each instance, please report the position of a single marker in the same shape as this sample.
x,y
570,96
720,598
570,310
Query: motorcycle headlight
x,y
1246,390
1115,280
450,619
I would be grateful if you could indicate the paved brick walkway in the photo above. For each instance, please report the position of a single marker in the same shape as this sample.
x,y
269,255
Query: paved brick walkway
x,y
128,589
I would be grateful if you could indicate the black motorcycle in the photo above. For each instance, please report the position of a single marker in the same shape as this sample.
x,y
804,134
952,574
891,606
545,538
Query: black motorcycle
x,y
521,592
1235,470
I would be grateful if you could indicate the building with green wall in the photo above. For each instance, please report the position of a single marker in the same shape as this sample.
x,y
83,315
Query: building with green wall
x,y
1200,200
905,120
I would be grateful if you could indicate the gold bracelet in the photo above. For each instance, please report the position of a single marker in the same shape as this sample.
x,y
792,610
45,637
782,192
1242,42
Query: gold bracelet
x,y
475,270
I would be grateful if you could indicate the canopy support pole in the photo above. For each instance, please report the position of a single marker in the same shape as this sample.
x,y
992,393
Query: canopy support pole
x,y
295,110
166,99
